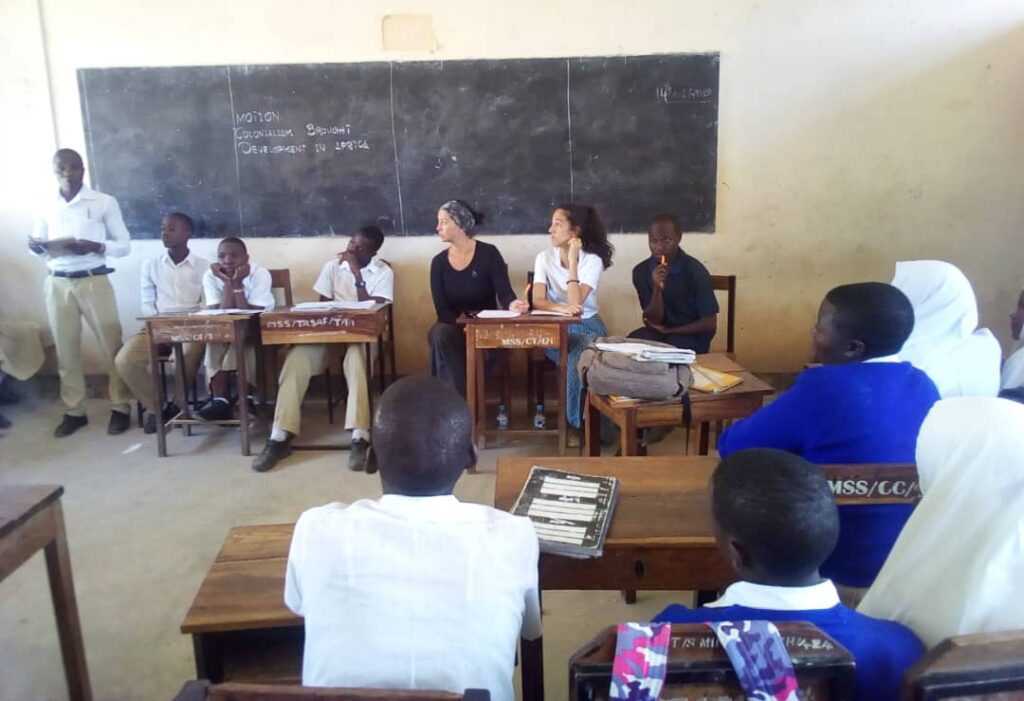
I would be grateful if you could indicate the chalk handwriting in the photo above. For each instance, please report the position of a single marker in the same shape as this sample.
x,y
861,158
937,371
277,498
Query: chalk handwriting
x,y
333,130
197,337
257,116
668,94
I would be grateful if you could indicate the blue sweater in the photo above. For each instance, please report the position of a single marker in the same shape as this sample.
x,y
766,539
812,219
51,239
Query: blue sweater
x,y
883,650
839,414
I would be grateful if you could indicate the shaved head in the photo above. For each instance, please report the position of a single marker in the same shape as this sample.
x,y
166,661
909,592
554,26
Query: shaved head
x,y
422,437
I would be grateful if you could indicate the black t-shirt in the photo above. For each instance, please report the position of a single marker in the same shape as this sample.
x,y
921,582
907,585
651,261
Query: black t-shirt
x,y
482,285
687,296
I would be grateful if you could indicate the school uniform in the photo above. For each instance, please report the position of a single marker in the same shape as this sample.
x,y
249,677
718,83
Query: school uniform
x,y
78,288
413,593
21,350
335,282
688,296
483,284
165,286
220,357
882,650
1013,371
867,412
548,270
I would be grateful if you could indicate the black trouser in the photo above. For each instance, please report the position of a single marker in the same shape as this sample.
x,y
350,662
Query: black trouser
x,y
448,355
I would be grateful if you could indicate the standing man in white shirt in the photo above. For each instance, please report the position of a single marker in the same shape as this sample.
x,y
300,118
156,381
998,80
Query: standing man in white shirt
x,y
415,590
75,232
171,282
231,283
357,275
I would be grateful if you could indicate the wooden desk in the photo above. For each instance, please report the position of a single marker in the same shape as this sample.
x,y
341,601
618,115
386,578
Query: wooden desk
x,y
31,518
290,326
522,332
736,403
175,329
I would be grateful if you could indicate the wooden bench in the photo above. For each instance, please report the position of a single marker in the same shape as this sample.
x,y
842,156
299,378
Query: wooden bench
x,y
204,691
982,666
698,667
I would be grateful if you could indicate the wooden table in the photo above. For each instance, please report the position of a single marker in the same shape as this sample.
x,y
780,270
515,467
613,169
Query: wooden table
x,y
291,326
735,403
523,332
31,519
175,329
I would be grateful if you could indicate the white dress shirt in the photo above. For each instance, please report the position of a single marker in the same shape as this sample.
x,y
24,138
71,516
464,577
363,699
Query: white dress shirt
x,y
167,286
257,286
91,216
413,593
337,282
547,269
822,595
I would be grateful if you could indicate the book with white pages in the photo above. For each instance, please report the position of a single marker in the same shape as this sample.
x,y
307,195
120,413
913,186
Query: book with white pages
x,y
496,314
570,512
331,306
645,352
547,312
222,312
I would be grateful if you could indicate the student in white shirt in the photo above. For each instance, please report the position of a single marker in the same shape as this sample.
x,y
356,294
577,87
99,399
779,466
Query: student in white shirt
x,y
171,282
355,276
90,228
1012,380
958,566
231,283
961,359
565,279
415,590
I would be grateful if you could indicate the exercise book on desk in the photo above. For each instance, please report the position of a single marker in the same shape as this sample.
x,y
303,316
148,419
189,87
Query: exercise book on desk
x,y
712,381
570,512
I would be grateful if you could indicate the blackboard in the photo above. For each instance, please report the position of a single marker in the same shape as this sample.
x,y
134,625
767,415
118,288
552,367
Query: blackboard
x,y
320,149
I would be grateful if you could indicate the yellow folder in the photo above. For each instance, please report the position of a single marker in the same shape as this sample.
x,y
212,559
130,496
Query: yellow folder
x,y
712,381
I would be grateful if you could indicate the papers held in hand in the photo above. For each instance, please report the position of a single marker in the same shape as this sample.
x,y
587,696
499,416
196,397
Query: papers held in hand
x,y
645,352
712,381
55,247
570,512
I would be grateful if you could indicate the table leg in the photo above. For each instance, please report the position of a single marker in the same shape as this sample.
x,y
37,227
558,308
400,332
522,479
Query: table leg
x,y
369,382
471,388
628,434
532,670
208,660
481,398
705,435
243,385
592,431
158,392
563,408
179,383
69,630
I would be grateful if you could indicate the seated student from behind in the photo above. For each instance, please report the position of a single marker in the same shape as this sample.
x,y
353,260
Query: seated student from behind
x,y
231,283
776,522
355,276
415,590
676,295
862,406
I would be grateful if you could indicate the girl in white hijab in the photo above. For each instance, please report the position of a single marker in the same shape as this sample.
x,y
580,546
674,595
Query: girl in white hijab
x,y
958,565
962,360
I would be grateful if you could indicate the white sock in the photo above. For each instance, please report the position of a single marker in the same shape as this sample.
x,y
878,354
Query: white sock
x,y
360,434
278,434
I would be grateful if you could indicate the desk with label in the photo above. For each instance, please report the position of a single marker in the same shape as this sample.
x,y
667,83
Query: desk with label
x,y
522,332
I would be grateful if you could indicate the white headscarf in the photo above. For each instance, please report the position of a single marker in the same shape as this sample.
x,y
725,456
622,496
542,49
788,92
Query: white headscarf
x,y
958,565
962,361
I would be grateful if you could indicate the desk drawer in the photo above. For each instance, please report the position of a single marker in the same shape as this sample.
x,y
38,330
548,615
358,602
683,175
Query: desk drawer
x,y
644,568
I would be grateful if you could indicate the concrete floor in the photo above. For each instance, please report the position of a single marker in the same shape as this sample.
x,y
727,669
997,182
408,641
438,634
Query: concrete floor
x,y
143,531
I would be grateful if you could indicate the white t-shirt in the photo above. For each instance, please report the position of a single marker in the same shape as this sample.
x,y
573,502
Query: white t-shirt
x,y
256,285
413,593
90,216
548,269
170,287
337,282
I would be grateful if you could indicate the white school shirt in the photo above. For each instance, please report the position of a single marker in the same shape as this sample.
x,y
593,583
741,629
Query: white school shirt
x,y
413,593
548,270
256,285
90,215
170,287
1013,370
822,595
337,282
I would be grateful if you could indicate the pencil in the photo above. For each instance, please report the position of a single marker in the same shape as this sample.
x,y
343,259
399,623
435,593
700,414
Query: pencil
x,y
663,260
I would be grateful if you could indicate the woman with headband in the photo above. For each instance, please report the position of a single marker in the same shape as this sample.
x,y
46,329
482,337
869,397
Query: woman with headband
x,y
471,275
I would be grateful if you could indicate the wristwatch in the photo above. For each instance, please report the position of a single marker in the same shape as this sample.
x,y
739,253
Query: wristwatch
x,y
360,284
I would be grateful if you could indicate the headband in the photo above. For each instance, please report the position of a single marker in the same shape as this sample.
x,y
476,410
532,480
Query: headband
x,y
461,215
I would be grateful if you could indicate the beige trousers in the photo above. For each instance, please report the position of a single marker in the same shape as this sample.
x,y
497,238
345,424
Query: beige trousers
x,y
68,301
302,363
134,368
220,357
21,350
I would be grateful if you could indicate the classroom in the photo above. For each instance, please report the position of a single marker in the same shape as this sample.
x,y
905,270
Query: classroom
x,y
851,135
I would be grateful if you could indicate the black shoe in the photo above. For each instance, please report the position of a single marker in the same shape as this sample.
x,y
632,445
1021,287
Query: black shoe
x,y
273,452
69,424
149,427
357,454
4,422
217,409
169,412
119,423
8,396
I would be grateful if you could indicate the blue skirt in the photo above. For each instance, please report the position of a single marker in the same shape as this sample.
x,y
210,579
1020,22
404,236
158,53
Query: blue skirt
x,y
581,335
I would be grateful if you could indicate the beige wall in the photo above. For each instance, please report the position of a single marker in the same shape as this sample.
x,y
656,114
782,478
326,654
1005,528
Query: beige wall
x,y
853,133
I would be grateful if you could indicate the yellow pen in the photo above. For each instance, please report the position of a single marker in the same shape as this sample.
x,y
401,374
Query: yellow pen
x,y
663,260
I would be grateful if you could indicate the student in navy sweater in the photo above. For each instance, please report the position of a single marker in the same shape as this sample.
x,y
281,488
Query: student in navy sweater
x,y
776,522
862,406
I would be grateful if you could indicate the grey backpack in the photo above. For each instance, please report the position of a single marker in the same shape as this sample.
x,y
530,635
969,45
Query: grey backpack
x,y
605,372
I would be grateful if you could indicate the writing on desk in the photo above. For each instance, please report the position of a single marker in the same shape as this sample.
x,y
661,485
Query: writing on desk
x,y
314,323
529,341
874,488
196,337
710,642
